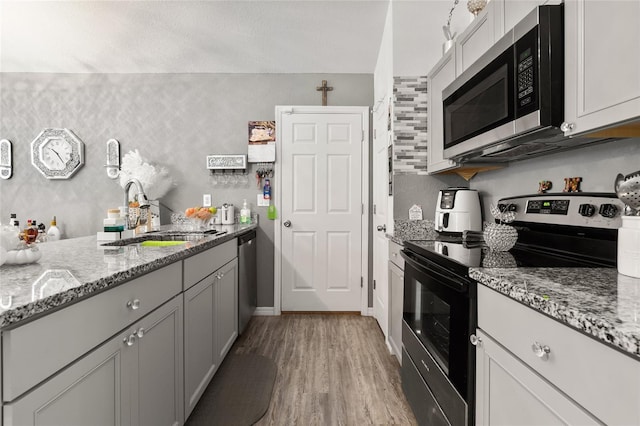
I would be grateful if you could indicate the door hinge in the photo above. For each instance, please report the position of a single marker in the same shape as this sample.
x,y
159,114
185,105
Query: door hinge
x,y
362,208
362,136
374,284
374,209
361,282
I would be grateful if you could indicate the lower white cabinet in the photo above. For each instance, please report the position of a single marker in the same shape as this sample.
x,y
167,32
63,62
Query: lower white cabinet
x,y
135,378
396,296
510,393
211,327
532,369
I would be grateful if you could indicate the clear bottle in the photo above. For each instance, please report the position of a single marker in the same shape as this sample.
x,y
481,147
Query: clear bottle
x,y
53,234
30,233
245,213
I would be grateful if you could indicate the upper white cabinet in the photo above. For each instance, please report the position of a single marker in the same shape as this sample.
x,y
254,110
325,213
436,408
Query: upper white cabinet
x,y
439,77
507,13
476,39
602,64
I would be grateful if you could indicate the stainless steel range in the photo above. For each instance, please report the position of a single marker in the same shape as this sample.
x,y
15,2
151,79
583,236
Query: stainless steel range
x,y
439,315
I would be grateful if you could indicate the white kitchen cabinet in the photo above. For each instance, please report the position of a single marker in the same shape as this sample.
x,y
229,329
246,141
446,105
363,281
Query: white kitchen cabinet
x,y
510,393
584,371
69,333
396,296
602,64
442,74
135,378
476,39
508,13
211,327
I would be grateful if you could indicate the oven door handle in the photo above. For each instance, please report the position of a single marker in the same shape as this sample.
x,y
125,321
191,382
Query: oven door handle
x,y
442,275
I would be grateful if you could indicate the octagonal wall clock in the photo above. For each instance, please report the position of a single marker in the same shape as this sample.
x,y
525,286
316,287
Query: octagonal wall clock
x,y
57,153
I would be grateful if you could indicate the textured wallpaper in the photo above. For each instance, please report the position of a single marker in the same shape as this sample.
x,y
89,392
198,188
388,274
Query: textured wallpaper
x,y
174,120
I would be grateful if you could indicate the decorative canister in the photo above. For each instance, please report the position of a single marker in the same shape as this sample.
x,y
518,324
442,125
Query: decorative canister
x,y
629,246
500,237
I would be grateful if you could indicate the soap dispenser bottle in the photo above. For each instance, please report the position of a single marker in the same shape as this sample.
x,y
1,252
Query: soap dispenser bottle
x,y
245,213
53,234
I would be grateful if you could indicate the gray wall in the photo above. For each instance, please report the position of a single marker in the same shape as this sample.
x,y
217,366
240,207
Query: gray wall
x,y
598,166
172,119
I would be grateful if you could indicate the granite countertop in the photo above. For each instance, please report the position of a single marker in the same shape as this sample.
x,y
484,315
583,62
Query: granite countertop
x,y
596,301
79,267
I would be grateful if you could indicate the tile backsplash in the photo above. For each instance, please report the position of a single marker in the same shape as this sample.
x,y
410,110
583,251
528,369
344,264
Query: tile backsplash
x,y
410,125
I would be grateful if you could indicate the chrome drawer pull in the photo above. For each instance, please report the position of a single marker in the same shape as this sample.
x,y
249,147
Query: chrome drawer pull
x,y
424,364
133,304
130,340
541,351
140,333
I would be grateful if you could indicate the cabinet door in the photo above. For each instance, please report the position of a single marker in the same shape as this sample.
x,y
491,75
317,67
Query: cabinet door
x,y
158,368
508,13
396,283
476,39
93,391
227,307
200,340
439,78
602,65
510,393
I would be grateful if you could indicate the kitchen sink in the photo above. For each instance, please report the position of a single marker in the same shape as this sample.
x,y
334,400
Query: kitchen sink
x,y
158,240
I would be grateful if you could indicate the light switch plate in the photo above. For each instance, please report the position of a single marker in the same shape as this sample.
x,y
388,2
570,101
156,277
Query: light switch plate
x,y
206,200
262,202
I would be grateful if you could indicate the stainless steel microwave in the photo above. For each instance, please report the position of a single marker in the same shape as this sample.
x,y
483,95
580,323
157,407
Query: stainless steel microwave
x,y
509,104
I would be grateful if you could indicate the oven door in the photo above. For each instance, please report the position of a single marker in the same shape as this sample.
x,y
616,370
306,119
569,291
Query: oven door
x,y
439,310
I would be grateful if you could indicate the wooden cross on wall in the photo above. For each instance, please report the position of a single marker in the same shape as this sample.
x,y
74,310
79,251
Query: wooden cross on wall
x,y
324,88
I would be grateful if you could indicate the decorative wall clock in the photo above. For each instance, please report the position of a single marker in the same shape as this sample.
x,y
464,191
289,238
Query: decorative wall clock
x,y
57,153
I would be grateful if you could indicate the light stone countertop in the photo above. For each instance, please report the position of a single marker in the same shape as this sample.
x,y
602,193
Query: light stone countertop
x,y
75,268
596,301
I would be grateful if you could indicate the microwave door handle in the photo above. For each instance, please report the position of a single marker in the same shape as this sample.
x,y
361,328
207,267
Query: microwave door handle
x,y
447,280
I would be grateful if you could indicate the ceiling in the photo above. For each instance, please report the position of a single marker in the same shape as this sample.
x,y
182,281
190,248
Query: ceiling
x,y
295,36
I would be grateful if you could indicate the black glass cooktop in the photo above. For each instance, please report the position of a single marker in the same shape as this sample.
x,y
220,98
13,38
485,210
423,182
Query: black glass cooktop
x,y
475,253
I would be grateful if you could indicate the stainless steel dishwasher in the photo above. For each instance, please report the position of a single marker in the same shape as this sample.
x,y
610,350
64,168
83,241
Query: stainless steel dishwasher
x,y
247,281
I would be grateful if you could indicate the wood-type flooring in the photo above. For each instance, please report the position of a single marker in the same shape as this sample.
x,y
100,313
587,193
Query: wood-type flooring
x,y
332,370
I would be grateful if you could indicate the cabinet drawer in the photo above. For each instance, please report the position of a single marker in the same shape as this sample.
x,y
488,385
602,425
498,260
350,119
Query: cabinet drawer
x,y
38,349
203,264
394,254
602,380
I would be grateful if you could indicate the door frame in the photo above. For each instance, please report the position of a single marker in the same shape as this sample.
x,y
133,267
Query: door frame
x,y
281,110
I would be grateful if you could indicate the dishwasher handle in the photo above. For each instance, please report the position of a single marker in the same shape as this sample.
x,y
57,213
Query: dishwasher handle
x,y
247,238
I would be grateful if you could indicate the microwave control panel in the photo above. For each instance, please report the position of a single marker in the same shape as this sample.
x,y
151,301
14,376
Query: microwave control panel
x,y
526,72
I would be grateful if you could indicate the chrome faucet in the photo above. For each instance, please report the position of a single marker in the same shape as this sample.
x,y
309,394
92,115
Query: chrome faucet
x,y
141,197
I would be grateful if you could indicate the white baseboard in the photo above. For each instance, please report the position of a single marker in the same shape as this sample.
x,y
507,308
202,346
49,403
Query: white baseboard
x,y
262,311
369,312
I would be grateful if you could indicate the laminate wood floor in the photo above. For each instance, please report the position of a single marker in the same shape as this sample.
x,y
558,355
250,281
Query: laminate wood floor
x,y
332,370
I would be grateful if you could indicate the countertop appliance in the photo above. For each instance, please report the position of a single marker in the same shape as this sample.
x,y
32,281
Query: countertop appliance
x,y
228,214
247,279
458,210
440,307
509,104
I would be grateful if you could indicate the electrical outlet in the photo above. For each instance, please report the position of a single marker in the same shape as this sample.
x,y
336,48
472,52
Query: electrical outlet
x,y
206,200
262,202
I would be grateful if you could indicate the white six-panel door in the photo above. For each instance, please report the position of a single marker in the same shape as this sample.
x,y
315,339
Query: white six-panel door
x,y
321,211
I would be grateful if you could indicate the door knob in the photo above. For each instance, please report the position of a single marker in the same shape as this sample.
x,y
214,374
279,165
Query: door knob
x,y
382,228
287,223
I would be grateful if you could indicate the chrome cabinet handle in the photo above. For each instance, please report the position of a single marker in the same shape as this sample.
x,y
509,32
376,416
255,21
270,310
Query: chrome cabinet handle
x,y
541,351
424,364
287,223
475,340
133,304
382,228
565,127
130,340
140,333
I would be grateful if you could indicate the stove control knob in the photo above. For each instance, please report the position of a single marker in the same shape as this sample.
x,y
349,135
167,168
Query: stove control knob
x,y
608,210
587,210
